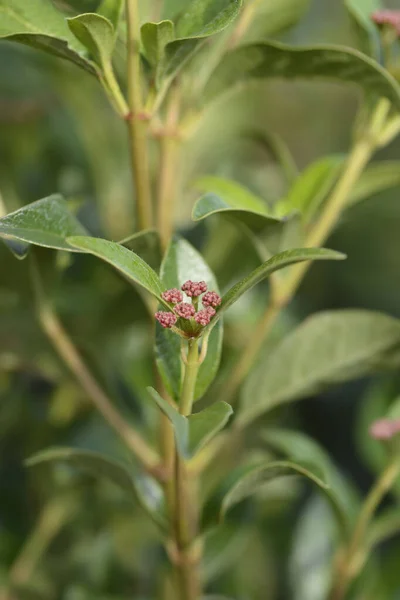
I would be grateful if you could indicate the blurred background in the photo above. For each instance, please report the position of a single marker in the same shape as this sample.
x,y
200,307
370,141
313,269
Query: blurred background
x,y
62,534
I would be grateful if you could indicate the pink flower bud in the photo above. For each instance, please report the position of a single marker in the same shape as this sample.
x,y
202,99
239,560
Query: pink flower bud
x,y
193,289
210,310
166,319
185,310
384,429
203,317
174,296
211,299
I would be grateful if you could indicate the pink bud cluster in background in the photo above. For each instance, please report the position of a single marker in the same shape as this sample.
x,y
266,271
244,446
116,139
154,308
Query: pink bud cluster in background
x,y
387,17
384,429
189,310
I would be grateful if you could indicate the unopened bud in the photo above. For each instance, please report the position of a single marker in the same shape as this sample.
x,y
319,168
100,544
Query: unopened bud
x,y
185,310
166,319
174,296
193,289
211,299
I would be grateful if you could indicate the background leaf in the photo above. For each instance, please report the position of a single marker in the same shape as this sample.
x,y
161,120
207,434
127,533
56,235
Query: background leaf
x,y
155,36
335,346
265,60
122,259
112,10
46,222
39,24
183,262
368,33
145,489
378,177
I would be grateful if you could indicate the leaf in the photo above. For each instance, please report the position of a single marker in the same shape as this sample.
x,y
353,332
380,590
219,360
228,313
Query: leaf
x,y
311,187
112,10
376,178
227,196
39,24
263,60
203,426
122,259
335,346
280,151
96,33
297,446
383,527
368,33
277,262
257,477
276,17
194,432
147,245
145,489
313,550
46,222
183,262
201,19
155,36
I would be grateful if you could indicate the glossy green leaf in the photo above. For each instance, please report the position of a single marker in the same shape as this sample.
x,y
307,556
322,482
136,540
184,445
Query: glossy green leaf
x,y
155,36
122,259
183,262
296,446
112,10
277,262
258,477
145,489
200,19
194,432
265,60
96,33
311,187
368,34
229,197
46,222
335,346
378,177
39,24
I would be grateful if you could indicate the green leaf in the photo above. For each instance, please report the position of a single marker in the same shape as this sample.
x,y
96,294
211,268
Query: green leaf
x,y
122,259
46,222
147,245
368,34
336,346
300,448
264,60
277,262
258,477
203,426
276,17
384,526
378,177
39,24
96,33
194,432
227,196
311,187
183,262
144,488
313,551
155,36
201,19
112,10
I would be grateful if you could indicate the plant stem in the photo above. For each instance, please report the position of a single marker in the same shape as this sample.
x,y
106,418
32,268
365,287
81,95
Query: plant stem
x,y
334,206
169,159
70,355
138,121
351,562
185,517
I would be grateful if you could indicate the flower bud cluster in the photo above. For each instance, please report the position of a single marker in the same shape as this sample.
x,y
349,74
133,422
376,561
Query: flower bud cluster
x,y
387,17
188,311
385,429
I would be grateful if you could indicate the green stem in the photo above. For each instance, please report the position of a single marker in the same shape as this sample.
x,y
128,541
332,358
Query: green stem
x,y
67,351
138,121
353,557
185,512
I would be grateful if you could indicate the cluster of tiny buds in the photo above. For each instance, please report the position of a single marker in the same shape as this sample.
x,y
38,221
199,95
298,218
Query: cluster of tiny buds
x,y
387,17
187,310
384,429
